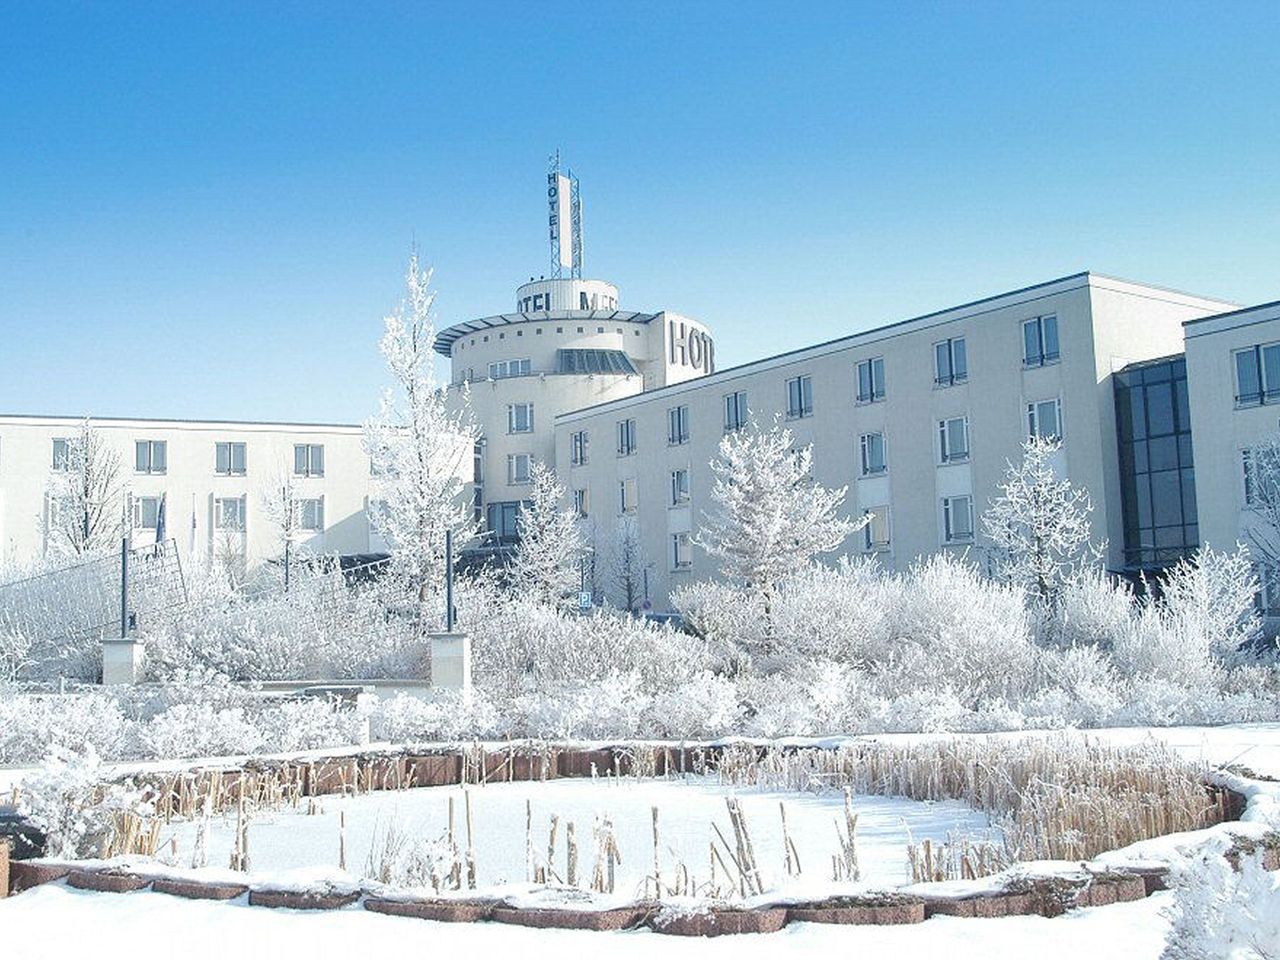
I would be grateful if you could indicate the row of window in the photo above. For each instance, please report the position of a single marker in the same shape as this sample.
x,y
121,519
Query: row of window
x,y
519,332
229,458
956,513
1043,419
678,494
229,513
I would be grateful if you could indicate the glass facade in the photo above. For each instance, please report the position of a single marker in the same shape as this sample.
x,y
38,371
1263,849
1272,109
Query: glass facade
x,y
1157,476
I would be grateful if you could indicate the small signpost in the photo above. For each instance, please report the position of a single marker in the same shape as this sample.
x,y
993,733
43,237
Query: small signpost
x,y
584,600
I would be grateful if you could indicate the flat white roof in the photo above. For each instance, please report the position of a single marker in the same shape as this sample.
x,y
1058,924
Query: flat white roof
x,y
28,419
1221,322
926,321
447,337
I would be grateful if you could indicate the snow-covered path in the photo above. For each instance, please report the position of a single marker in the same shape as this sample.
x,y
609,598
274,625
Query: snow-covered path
x,y
55,922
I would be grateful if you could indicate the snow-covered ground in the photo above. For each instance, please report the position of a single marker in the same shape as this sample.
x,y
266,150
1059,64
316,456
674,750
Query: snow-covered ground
x,y
53,922
289,840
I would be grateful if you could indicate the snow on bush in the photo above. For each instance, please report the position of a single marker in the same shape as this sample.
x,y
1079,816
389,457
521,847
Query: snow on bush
x,y
199,730
1219,912
69,801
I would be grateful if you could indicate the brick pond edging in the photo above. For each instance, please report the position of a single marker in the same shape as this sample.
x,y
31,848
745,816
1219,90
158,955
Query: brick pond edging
x,y
1047,896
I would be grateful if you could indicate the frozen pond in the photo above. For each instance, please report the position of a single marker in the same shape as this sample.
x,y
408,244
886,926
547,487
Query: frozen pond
x,y
294,840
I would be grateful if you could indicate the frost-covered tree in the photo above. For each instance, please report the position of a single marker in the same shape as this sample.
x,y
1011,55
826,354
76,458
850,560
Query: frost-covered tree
x,y
629,564
1038,526
1209,602
85,497
282,506
769,517
545,566
418,446
1262,488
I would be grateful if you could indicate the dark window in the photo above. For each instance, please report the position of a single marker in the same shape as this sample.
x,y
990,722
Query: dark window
x,y
594,361
1157,479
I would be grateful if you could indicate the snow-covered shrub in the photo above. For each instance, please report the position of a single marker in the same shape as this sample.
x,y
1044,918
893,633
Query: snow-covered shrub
x,y
446,716
1209,601
1218,912
1085,682
308,724
704,706
1091,610
68,799
956,630
1184,642
200,730
403,856
30,724
519,646
612,706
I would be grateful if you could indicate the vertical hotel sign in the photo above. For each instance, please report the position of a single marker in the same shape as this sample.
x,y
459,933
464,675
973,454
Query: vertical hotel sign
x,y
560,219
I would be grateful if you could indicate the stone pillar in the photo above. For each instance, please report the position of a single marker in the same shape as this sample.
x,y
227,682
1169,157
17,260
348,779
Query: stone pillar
x,y
451,662
4,867
122,662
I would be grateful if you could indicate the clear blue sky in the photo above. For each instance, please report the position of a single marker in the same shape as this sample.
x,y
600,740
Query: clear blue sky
x,y
205,207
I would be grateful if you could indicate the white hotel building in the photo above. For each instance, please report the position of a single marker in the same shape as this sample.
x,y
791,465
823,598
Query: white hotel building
x,y
917,418
1157,396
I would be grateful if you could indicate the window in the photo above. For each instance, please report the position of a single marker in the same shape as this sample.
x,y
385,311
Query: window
x,y
150,456
871,380
594,361
229,513
681,552
679,487
1157,476
626,438
873,458
950,365
1044,419
519,418
578,448
518,468
1257,375
1040,341
504,521
311,514
228,459
581,502
627,495
62,455
308,459
953,440
62,506
957,519
875,535
678,425
799,397
735,411
146,512
510,368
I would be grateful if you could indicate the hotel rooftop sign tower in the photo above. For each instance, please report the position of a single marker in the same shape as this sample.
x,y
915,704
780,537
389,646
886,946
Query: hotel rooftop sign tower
x,y
566,346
